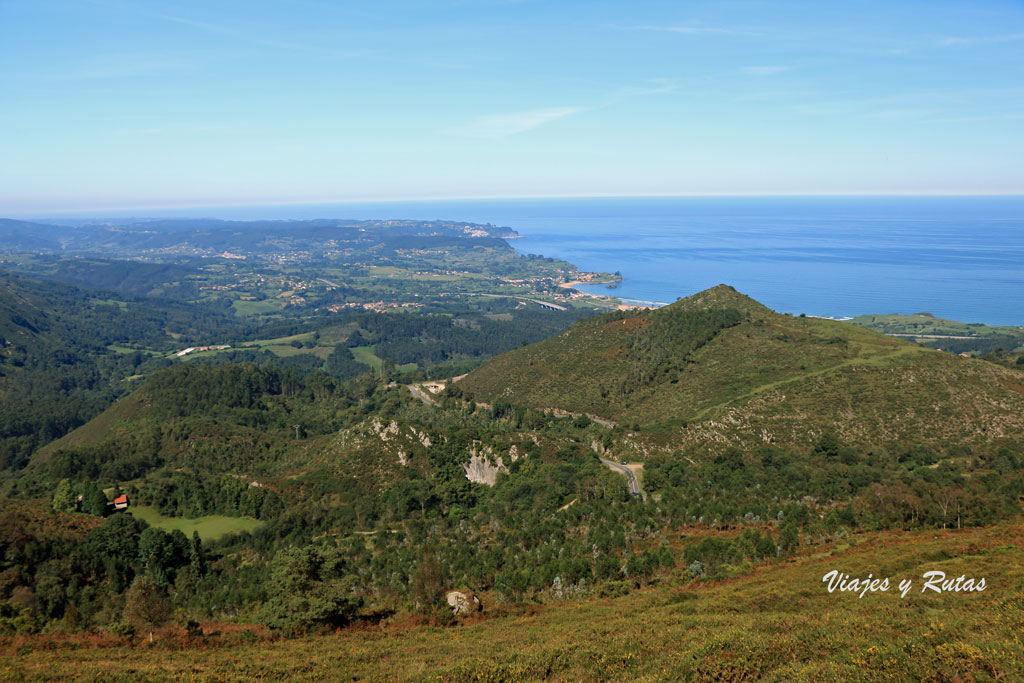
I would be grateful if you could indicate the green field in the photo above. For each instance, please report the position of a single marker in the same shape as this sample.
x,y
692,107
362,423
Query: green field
x,y
366,356
210,527
925,323
285,350
255,307
949,335
305,336
116,348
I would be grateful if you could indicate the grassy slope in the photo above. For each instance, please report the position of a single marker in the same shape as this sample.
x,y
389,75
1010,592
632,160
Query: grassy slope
x,y
135,413
366,356
99,428
210,527
362,453
772,379
925,323
949,335
777,624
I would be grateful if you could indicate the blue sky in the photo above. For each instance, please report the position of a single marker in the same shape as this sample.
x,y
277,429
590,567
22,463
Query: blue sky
x,y
111,103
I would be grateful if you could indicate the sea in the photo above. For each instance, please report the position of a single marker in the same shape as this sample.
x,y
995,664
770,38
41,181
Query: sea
x,y
954,257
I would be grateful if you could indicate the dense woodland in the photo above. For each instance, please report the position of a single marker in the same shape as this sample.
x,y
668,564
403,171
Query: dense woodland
x,y
67,353
56,370
426,528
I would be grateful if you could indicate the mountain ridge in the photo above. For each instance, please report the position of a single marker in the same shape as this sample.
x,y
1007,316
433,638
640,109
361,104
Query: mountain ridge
x,y
755,378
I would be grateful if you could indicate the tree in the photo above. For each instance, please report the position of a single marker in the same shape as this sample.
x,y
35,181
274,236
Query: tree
x,y
608,568
428,582
64,497
311,586
146,605
828,445
950,499
197,558
94,501
789,536
665,557
163,553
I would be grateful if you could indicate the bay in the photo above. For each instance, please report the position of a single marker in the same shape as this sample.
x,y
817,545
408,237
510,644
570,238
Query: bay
x,y
955,257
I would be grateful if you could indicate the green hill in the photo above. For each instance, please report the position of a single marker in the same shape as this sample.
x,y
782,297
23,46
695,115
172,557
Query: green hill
x,y
67,353
948,335
718,369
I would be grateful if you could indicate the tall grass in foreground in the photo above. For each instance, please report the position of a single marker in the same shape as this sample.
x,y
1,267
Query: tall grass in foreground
x,y
776,624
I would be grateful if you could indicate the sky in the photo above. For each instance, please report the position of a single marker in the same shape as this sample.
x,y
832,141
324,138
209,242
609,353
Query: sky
x,y
113,103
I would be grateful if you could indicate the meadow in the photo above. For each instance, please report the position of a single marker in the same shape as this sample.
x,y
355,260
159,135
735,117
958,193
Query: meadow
x,y
209,527
778,623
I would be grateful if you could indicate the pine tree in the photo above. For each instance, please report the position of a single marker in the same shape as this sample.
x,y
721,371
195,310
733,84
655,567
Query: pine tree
x,y
197,558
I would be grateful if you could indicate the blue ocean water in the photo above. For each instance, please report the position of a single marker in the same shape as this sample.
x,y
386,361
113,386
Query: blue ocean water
x,y
955,257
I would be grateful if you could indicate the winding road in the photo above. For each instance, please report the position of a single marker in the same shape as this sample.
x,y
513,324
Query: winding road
x,y
421,395
631,480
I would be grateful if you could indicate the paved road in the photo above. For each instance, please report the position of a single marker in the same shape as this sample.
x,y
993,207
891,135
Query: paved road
x,y
634,484
543,304
421,395
930,336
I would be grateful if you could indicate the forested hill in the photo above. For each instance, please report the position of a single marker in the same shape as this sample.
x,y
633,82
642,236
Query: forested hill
x,y
30,237
60,359
66,353
718,369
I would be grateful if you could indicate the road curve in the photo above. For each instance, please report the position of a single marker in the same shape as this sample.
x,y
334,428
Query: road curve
x,y
634,483
421,395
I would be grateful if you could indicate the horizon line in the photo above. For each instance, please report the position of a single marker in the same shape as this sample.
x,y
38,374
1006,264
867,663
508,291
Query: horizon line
x,y
242,203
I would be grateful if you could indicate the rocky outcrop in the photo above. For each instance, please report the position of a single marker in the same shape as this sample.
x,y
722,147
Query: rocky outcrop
x,y
483,466
384,432
481,470
463,602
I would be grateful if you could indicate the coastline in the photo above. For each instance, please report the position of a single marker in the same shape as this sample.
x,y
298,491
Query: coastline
x,y
616,302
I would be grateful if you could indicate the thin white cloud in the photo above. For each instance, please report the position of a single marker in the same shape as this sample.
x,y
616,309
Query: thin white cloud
x,y
685,30
763,70
202,25
985,117
236,32
692,30
125,65
901,113
954,41
655,86
497,126
934,100
266,42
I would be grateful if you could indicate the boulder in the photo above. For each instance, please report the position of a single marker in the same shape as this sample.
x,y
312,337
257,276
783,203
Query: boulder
x,y
463,602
